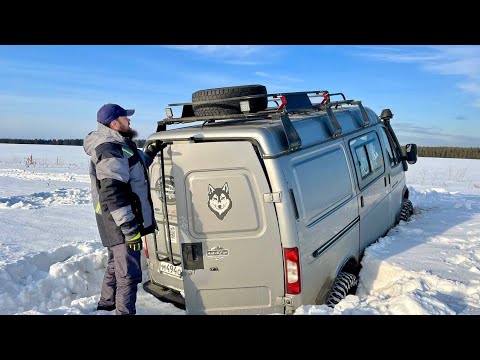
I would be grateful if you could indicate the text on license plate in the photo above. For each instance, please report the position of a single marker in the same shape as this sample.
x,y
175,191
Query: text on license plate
x,y
170,269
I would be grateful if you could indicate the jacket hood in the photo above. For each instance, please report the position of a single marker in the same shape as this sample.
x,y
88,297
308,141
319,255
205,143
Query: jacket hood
x,y
103,135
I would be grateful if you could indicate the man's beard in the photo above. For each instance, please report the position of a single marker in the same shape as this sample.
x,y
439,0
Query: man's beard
x,y
130,133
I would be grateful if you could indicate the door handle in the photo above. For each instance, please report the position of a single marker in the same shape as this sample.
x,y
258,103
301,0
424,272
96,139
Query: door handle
x,y
361,201
385,181
192,255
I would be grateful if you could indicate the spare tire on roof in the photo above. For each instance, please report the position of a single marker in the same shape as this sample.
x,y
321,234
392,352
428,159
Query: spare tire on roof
x,y
228,107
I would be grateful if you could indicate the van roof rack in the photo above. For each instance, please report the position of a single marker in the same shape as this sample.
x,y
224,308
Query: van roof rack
x,y
290,102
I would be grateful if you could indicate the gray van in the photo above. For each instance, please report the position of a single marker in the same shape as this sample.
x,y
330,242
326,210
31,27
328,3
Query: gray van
x,y
266,202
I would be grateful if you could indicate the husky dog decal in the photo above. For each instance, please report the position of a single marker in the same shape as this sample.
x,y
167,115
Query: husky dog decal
x,y
219,200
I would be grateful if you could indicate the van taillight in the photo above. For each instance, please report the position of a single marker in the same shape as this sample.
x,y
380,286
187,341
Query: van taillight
x,y
146,247
292,271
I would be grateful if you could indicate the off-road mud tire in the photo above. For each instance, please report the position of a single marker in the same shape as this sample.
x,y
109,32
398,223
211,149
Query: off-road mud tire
x,y
345,283
407,210
228,107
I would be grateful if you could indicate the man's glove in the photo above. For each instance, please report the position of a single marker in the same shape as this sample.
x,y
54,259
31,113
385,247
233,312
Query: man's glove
x,y
153,148
132,235
134,243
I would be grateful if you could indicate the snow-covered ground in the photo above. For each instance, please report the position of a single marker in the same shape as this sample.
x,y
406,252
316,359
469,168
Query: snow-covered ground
x,y
52,261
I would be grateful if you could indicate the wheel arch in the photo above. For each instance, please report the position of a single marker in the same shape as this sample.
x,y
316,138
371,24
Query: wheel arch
x,y
350,264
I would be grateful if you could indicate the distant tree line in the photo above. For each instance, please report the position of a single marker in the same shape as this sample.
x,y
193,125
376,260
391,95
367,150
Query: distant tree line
x,y
449,152
423,151
76,142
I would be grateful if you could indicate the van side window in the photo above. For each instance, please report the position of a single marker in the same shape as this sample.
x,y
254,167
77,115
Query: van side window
x,y
396,150
363,161
391,148
375,157
368,156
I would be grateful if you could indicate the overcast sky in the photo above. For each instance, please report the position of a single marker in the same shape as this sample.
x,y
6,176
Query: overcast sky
x,y
54,91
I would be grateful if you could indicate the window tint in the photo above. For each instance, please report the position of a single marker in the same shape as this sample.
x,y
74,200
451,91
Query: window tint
x,y
368,157
388,147
396,150
374,155
391,148
363,161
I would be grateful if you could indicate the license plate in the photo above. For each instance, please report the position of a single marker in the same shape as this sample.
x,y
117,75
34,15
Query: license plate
x,y
170,269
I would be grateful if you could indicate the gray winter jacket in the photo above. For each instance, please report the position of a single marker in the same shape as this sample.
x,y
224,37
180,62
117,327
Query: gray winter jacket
x,y
120,187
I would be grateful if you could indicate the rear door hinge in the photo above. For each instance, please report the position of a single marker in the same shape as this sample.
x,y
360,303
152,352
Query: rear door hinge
x,y
287,302
282,300
275,197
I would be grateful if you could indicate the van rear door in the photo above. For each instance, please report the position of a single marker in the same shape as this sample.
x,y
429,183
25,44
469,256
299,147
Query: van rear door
x,y
231,251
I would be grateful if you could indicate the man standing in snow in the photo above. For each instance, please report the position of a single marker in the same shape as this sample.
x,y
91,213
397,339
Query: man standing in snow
x,y
122,202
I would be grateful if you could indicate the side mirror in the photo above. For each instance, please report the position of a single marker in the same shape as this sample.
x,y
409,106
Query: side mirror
x,y
411,151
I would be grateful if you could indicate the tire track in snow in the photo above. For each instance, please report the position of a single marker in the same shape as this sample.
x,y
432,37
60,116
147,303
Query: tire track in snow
x,y
62,196
32,175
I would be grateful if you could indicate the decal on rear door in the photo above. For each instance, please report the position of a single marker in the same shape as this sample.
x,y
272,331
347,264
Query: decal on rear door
x,y
217,252
219,201
169,189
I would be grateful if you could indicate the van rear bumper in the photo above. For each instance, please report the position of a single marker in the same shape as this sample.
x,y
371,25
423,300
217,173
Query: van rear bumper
x,y
165,294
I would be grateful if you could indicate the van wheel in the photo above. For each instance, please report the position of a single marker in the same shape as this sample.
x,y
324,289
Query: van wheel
x,y
228,107
344,284
407,210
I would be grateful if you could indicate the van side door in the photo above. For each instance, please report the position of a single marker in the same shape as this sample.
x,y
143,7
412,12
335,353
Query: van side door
x,y
373,199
